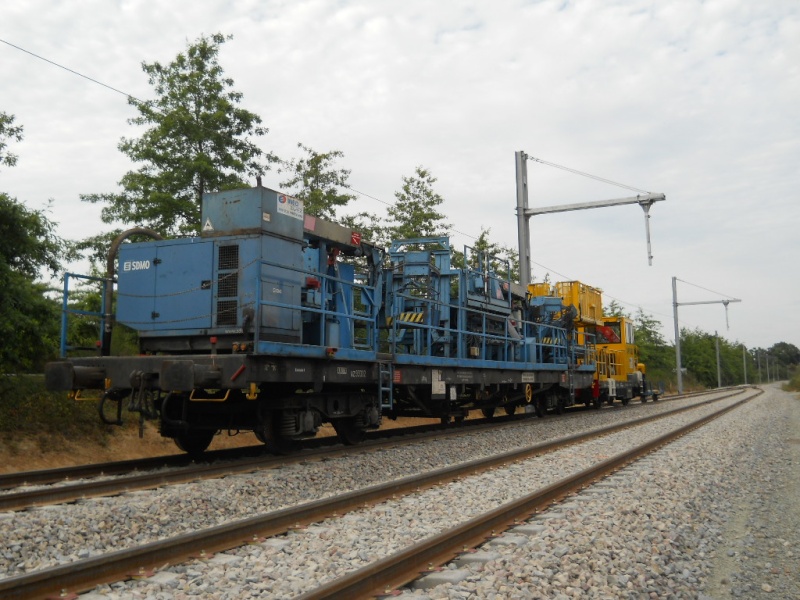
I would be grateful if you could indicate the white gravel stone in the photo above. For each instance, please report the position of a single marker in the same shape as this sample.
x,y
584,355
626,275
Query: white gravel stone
x,y
654,530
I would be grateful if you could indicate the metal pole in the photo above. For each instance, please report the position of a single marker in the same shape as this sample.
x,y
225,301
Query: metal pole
x,y
677,334
646,208
767,359
64,307
108,296
758,364
523,220
744,363
719,373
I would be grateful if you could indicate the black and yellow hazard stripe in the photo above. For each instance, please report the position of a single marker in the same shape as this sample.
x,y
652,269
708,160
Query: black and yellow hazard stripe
x,y
406,317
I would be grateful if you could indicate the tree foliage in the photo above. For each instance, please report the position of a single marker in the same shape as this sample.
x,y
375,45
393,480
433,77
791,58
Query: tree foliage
x,y
8,132
30,324
654,351
197,141
615,309
786,354
503,260
318,183
416,212
29,329
699,359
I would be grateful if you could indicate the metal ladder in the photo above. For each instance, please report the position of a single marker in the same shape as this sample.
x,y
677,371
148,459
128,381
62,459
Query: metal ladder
x,y
385,385
571,381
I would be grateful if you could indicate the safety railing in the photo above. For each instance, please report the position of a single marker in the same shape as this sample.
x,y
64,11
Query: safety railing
x,y
358,307
66,311
481,335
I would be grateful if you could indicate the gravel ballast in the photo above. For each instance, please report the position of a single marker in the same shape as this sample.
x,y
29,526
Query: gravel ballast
x,y
54,535
713,516
656,529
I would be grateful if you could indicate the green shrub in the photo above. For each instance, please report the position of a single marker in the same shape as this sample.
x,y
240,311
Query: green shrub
x,y
26,407
794,382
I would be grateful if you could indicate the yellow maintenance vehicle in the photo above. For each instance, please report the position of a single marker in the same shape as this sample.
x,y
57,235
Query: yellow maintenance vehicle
x,y
619,374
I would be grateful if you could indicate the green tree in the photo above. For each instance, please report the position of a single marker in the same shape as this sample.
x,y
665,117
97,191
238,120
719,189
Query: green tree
x,y
415,213
316,182
787,354
8,131
30,324
615,309
197,141
29,329
654,352
502,259
698,357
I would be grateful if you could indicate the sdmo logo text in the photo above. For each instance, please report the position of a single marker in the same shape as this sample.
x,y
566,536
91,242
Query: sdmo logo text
x,y
136,265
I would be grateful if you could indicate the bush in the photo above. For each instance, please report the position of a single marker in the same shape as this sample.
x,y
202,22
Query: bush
x,y
26,407
794,382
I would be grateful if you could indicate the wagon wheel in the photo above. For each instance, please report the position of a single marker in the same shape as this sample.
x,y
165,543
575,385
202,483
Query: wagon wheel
x,y
264,430
268,433
540,408
488,412
350,430
528,393
194,442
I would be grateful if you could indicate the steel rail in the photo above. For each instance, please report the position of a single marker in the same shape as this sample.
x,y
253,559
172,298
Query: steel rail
x,y
61,474
15,501
46,476
405,566
133,562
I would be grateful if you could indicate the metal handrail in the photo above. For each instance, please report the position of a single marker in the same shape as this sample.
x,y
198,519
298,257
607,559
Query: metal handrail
x,y
66,310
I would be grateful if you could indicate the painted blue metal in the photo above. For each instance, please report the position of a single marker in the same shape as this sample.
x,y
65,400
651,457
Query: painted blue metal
x,y
254,210
165,284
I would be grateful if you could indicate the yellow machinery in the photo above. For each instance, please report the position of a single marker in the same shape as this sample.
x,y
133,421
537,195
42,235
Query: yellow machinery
x,y
619,374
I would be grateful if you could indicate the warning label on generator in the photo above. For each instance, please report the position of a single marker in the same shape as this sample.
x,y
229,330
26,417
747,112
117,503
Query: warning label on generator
x,y
289,206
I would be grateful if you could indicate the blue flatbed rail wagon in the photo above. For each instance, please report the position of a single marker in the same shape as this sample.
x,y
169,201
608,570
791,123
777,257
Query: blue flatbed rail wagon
x,y
275,321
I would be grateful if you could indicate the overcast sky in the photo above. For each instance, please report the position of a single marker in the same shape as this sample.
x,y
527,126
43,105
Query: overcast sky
x,y
696,100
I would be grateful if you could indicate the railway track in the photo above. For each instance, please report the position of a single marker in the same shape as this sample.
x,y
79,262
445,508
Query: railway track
x,y
170,470
126,467
389,571
66,474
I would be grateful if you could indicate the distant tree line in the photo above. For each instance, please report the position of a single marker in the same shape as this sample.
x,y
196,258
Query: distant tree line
x,y
737,364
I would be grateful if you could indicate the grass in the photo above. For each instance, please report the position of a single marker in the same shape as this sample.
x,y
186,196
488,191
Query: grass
x,y
26,407
794,382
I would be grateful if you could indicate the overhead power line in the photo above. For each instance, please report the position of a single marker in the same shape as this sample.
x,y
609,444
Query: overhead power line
x,y
55,64
589,175
703,288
